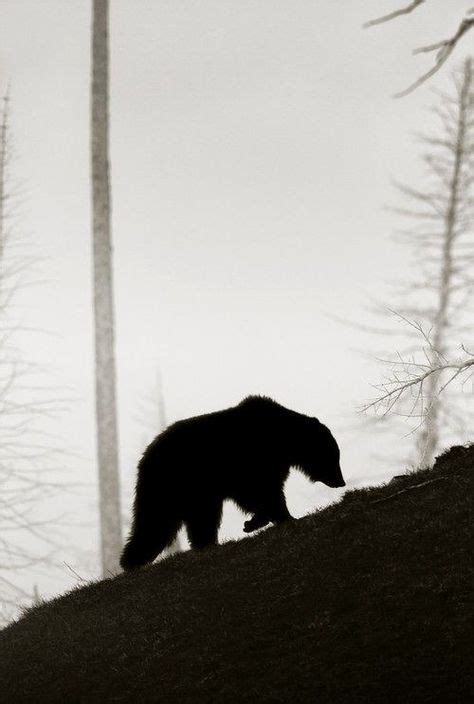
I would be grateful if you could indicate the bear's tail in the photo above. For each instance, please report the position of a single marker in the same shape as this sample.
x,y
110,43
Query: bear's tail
x,y
155,519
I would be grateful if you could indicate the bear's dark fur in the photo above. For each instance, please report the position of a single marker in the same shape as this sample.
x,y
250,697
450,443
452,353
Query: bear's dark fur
x,y
243,453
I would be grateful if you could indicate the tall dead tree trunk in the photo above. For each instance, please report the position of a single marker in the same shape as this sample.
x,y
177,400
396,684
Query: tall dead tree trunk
x,y
3,162
429,437
105,376
436,302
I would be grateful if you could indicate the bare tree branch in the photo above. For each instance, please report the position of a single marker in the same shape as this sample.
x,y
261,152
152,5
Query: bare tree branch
x,y
413,374
410,488
444,50
396,13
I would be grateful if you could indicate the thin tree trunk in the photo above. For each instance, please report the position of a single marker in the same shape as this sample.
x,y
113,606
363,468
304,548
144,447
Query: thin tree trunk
x,y
428,442
3,162
106,413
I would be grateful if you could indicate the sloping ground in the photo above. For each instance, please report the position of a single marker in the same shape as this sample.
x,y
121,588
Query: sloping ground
x,y
369,600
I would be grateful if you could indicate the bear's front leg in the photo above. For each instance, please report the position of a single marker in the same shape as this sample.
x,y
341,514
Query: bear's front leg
x,y
257,521
273,510
277,508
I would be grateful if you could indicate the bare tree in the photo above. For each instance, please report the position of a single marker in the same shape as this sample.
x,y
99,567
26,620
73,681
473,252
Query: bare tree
x,y
29,462
440,228
443,48
105,375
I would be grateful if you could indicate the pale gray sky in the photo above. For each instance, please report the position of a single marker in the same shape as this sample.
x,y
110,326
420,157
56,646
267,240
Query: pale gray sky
x,y
253,144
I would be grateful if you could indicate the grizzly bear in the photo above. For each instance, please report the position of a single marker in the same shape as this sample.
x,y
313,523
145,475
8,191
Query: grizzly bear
x,y
243,453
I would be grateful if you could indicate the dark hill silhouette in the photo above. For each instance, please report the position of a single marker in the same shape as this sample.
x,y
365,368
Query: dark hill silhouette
x,y
369,600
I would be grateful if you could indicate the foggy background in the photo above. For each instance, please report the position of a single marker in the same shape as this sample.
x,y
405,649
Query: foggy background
x,y
252,150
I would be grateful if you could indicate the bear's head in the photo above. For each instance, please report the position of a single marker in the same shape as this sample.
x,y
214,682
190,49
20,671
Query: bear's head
x,y
319,455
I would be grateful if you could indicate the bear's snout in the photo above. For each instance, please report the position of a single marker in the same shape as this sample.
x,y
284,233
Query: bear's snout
x,y
337,480
336,484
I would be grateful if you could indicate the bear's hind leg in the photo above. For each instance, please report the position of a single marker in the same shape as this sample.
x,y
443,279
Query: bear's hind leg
x,y
148,539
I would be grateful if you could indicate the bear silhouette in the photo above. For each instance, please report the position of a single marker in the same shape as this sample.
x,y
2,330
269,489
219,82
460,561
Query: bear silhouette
x,y
243,453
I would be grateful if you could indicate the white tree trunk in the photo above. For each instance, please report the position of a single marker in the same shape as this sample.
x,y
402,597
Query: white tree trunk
x,y
3,162
106,413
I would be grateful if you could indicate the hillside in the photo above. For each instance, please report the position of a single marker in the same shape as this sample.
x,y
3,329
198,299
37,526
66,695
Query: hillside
x,y
368,600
